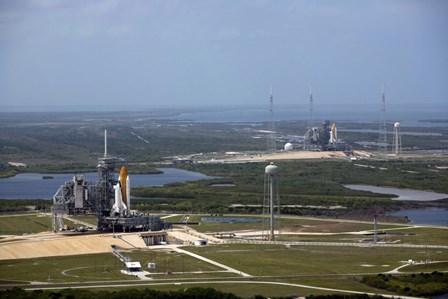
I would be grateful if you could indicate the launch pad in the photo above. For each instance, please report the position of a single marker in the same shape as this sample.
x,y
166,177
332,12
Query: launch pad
x,y
108,198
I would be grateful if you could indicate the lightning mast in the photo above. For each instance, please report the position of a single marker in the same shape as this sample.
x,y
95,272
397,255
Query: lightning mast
x,y
270,148
307,145
311,121
382,139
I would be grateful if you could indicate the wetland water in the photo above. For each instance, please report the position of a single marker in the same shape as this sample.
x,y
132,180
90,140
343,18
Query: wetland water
x,y
32,186
402,194
434,216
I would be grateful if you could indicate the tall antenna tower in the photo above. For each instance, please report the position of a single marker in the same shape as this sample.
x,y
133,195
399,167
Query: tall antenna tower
x,y
271,202
310,125
382,140
311,121
270,148
397,139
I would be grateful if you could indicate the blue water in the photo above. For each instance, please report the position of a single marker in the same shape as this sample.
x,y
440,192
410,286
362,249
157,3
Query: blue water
x,y
32,186
403,194
408,116
433,216
230,219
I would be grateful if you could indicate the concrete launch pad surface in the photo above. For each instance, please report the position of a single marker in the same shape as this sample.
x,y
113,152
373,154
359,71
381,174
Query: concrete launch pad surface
x,y
43,245
287,156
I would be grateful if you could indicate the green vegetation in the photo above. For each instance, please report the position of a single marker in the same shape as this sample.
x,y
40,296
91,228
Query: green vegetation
x,y
20,205
423,284
91,267
278,260
72,141
320,266
19,224
24,224
314,185
175,263
69,142
190,293
340,230
7,170
438,266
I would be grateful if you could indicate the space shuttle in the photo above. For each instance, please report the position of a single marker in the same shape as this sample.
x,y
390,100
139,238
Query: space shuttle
x,y
122,204
333,134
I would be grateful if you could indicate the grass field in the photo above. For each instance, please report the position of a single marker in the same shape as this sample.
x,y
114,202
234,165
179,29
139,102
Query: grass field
x,y
288,223
24,224
167,261
94,267
278,260
442,266
319,266
31,223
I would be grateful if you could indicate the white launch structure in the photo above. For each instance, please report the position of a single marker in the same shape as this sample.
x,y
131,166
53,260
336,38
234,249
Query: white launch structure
x,y
107,198
271,203
397,138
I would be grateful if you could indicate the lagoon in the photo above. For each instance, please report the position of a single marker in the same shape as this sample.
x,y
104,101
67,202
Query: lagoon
x,y
402,194
32,186
433,216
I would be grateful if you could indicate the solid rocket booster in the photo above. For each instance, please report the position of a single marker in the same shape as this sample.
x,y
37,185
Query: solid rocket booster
x,y
128,194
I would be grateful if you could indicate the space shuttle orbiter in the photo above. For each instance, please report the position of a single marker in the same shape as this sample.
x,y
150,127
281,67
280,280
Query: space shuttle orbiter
x,y
122,203
333,134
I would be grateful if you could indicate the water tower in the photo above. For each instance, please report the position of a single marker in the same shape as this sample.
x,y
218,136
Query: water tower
x,y
397,138
271,202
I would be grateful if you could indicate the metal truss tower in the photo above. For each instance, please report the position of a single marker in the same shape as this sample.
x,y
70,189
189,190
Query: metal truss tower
x,y
382,139
311,120
270,147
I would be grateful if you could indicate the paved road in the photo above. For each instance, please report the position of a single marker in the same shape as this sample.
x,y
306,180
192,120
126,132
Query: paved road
x,y
186,283
212,262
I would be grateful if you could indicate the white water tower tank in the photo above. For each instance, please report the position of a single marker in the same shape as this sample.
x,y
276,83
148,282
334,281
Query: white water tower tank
x,y
288,147
271,169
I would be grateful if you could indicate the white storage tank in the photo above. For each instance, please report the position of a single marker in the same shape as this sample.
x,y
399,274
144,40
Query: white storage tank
x,y
289,147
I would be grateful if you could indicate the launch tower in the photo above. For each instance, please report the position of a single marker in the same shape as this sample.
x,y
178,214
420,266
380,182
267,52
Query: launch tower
x,y
108,198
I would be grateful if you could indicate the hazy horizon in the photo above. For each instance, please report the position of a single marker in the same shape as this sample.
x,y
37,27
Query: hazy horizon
x,y
217,53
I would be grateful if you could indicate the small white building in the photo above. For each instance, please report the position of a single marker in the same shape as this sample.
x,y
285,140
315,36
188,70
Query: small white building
x,y
200,242
133,267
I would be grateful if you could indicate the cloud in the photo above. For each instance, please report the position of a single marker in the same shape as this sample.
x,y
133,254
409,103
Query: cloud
x,y
100,7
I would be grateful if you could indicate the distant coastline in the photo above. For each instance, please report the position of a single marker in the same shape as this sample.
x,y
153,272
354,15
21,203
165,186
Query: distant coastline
x,y
410,115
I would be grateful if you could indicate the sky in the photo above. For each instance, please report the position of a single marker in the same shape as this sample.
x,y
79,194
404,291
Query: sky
x,y
220,52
